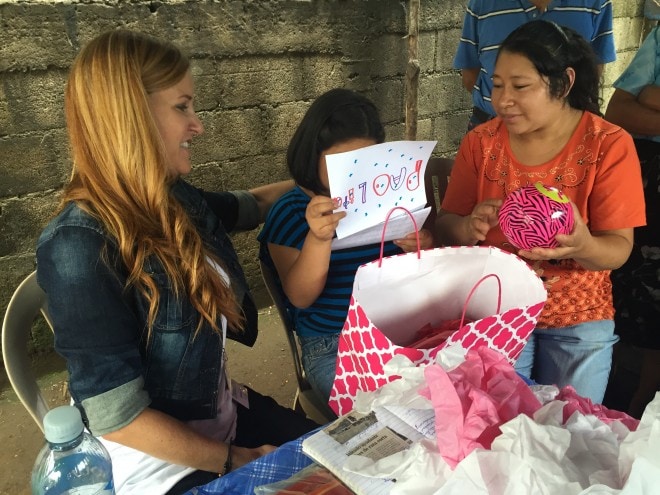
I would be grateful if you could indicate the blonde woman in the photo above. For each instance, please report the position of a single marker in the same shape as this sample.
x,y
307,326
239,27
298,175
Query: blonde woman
x,y
142,280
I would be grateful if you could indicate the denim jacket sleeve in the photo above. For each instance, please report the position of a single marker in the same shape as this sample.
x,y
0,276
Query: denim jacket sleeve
x,y
96,328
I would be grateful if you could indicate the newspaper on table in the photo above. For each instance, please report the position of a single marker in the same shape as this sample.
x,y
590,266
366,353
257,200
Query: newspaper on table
x,y
375,435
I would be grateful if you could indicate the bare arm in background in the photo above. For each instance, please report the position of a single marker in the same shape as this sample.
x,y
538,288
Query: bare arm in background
x,y
650,98
469,77
268,194
637,115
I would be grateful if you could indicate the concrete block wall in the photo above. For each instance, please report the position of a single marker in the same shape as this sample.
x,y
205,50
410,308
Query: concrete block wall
x,y
257,67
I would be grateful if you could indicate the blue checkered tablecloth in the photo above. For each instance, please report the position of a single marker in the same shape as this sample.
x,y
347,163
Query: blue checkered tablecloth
x,y
279,465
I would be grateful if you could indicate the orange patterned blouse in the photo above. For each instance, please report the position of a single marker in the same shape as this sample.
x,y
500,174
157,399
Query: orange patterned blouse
x,y
598,170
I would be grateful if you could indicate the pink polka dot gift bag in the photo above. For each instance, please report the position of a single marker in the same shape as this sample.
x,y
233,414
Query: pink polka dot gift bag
x,y
472,295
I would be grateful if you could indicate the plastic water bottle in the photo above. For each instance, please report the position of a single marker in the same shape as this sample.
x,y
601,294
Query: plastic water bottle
x,y
73,462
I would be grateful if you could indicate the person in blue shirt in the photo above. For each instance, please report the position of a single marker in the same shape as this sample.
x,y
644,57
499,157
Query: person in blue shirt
x,y
143,283
488,22
296,239
635,106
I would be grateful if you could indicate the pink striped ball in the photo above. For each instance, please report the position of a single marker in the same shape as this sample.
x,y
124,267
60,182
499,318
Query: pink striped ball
x,y
534,214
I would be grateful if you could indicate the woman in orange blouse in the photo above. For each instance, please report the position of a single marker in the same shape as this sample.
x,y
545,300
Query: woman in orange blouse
x,y
549,130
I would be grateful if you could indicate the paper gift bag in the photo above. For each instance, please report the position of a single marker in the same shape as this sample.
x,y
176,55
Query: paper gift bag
x,y
396,296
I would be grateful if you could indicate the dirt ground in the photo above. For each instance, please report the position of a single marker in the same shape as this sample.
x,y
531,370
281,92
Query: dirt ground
x,y
267,367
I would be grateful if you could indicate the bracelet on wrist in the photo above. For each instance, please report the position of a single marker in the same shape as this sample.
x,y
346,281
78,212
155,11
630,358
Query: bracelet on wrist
x,y
226,469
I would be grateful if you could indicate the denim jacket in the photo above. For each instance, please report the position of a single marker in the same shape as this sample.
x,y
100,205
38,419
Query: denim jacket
x,y
100,325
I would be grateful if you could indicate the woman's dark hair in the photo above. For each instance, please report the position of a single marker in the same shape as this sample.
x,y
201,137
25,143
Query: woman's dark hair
x,y
336,116
552,49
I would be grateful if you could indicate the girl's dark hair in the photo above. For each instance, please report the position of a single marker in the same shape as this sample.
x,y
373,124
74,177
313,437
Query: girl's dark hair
x,y
552,49
336,116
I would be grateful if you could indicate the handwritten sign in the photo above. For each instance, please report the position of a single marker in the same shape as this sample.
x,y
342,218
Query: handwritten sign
x,y
369,182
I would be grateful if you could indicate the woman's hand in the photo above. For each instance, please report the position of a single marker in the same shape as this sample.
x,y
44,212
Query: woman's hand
x,y
570,245
409,242
482,219
605,250
321,218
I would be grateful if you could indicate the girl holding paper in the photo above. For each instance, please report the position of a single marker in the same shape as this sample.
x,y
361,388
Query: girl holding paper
x,y
297,235
549,129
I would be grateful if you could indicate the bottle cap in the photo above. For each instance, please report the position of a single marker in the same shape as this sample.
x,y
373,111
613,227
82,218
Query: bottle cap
x,y
62,424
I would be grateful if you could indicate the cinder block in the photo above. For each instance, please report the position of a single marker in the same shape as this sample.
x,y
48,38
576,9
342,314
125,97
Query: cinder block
x,y
395,48
246,82
229,134
320,73
209,176
388,96
36,36
281,122
247,247
397,132
449,131
22,220
442,14
628,32
627,8
33,162
425,130
442,93
6,119
33,101
446,46
242,28
13,269
240,174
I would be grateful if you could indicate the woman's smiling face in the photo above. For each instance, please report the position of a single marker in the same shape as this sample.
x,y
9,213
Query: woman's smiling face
x,y
177,122
521,96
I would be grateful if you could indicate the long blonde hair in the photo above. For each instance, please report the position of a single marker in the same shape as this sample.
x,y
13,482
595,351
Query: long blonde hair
x,y
120,174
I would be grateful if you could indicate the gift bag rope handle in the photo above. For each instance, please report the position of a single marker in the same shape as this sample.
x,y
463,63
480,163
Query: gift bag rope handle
x,y
382,237
474,288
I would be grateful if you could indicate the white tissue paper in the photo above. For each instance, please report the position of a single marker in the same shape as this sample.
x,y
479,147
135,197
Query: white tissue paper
x,y
540,455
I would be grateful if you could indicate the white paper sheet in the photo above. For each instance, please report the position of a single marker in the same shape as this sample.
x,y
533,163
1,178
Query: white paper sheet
x,y
370,181
397,227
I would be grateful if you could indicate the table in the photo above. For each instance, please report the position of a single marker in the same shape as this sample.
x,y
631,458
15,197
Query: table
x,y
278,465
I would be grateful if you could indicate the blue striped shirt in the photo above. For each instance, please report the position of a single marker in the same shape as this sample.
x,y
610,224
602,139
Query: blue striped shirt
x,y
286,226
488,22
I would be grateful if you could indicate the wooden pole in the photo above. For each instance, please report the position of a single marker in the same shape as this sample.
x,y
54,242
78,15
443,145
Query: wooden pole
x,y
412,71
